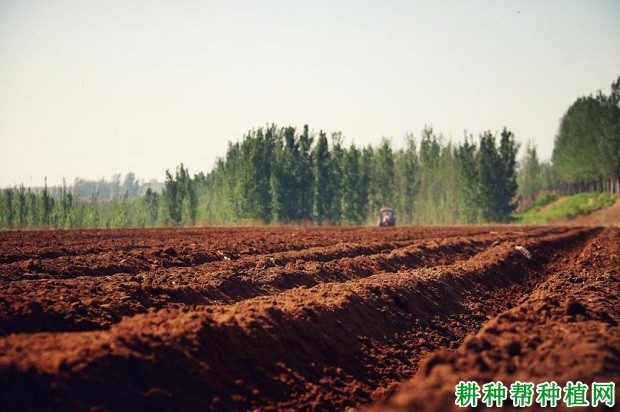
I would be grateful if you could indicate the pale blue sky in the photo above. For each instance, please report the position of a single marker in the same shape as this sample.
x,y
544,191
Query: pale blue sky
x,y
91,88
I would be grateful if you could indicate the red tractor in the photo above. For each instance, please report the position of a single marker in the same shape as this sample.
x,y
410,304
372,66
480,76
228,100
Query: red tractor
x,y
386,217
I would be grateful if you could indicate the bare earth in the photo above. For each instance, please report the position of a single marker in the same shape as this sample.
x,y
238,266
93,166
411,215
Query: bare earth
x,y
301,318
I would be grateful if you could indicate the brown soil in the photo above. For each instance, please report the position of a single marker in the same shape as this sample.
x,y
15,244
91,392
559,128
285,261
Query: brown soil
x,y
300,318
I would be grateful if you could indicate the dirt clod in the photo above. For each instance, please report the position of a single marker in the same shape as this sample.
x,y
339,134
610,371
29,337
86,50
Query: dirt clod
x,y
574,308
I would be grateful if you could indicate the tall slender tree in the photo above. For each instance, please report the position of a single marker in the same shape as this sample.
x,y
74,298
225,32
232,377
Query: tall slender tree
x,y
322,160
467,181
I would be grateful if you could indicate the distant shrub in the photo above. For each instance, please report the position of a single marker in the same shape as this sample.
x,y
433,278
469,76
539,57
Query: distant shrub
x,y
566,207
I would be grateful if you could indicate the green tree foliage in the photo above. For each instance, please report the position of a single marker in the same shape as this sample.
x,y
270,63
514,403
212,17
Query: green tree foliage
x,y
64,216
247,174
586,154
383,185
106,190
93,218
576,150
22,207
33,208
367,161
281,175
216,203
468,203
151,202
322,161
353,199
530,178
47,205
497,176
488,180
189,197
285,178
508,149
257,183
8,211
305,182
172,199
277,175
130,186
406,166
335,179
430,190
120,215
25,207
180,198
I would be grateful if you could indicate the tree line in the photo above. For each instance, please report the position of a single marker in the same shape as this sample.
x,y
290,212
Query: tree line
x,y
26,207
106,189
586,153
282,175
279,175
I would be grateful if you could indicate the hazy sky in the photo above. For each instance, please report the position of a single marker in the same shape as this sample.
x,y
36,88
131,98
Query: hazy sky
x,y
91,88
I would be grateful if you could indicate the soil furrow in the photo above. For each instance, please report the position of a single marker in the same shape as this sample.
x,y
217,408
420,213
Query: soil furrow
x,y
108,263
101,302
89,304
567,329
338,344
33,248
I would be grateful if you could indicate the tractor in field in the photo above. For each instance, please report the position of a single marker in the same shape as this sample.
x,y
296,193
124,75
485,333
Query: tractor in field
x,y
386,217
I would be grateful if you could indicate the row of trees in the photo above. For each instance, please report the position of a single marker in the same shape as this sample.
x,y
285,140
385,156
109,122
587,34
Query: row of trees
x,y
277,175
86,203
25,207
105,189
586,154
68,208
534,177
280,175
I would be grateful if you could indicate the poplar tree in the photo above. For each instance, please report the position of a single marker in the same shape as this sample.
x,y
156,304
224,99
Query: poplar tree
x,y
172,199
151,199
467,181
383,177
353,199
33,210
508,149
489,170
322,161
9,211
335,179
367,159
47,205
66,205
429,184
407,165
306,177
22,206
530,176
497,176
586,153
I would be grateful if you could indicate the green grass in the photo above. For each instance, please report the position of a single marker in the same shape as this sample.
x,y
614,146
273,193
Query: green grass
x,y
548,208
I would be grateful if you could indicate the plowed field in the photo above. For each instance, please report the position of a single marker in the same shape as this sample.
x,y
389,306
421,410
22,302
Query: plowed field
x,y
301,318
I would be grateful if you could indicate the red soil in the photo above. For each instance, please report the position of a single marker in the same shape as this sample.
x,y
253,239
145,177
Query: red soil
x,y
300,318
